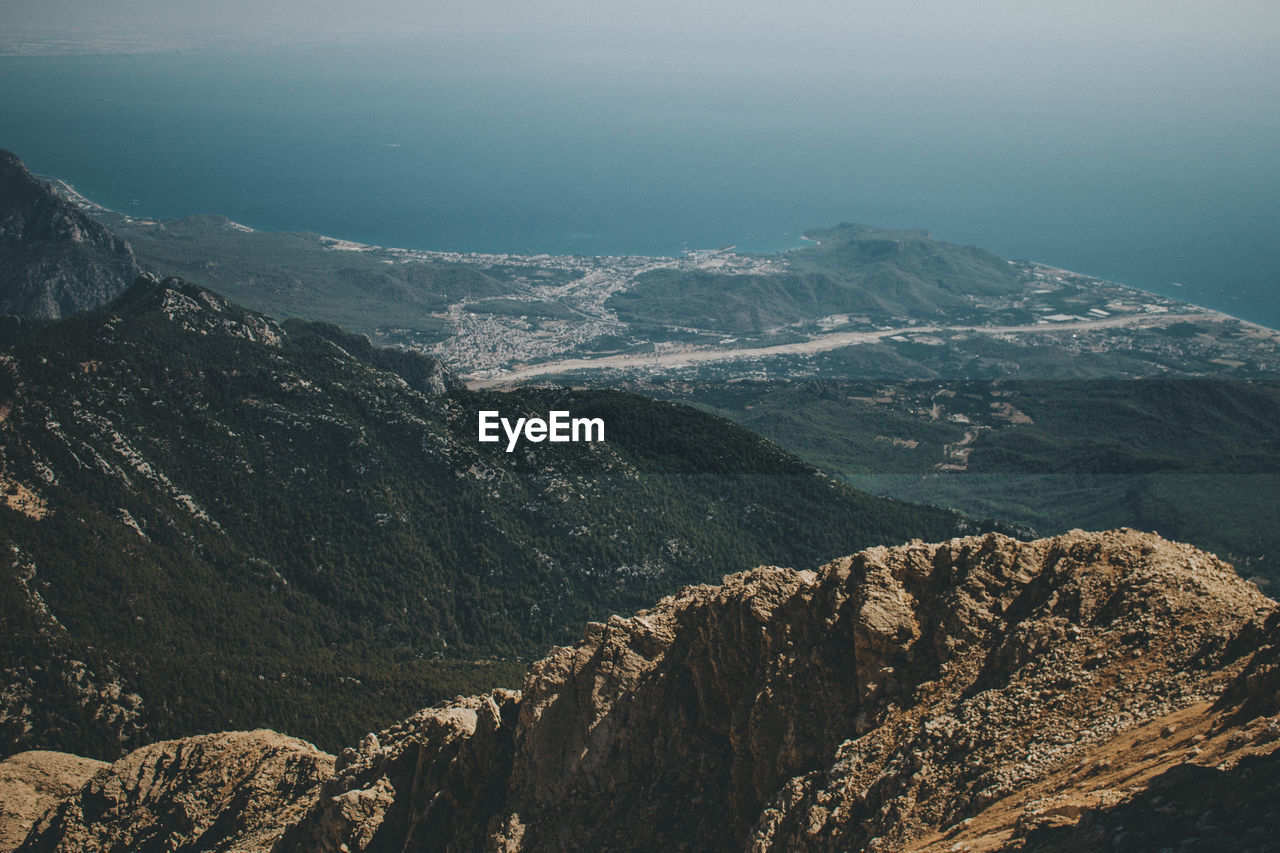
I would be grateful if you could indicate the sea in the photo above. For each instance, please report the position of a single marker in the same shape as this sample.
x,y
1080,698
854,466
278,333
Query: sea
x,y
490,145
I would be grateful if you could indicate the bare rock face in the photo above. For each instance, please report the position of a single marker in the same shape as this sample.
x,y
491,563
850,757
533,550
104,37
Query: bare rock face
x,y
436,778
1029,658
54,260
31,782
234,791
196,310
1077,693
882,703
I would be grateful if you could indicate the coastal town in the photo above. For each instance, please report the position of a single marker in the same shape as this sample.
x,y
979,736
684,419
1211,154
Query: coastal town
x,y
556,322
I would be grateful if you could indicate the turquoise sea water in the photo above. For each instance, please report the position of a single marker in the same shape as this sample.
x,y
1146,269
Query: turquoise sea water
x,y
487,147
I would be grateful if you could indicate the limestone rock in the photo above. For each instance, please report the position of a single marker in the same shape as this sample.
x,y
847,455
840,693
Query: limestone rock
x,y
31,782
433,779
870,705
234,791
977,694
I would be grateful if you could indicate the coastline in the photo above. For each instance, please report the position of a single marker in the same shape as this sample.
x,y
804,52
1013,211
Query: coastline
x,y
332,243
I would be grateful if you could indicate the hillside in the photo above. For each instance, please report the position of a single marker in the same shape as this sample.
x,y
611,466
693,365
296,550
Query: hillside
x,y
214,520
852,269
1092,691
302,275
1195,457
54,259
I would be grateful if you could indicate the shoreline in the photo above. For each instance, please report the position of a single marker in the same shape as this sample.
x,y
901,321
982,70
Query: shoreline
x,y
332,243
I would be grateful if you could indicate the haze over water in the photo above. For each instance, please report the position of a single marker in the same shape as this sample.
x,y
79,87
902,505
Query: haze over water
x,y
563,144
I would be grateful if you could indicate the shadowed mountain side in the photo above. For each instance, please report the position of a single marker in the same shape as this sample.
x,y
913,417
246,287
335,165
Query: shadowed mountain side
x,y
214,520
54,260
1196,458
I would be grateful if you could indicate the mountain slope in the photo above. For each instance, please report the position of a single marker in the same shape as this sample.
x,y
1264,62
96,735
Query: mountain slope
x,y
215,520
852,269
1196,458
54,260
303,275
1076,693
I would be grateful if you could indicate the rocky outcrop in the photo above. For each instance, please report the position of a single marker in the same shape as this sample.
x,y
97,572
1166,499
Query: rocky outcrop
x,y
438,777
977,694
196,311
1200,778
54,259
888,697
224,792
32,782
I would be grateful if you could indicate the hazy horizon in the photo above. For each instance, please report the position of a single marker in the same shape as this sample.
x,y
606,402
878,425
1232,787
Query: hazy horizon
x,y
1194,19
1151,44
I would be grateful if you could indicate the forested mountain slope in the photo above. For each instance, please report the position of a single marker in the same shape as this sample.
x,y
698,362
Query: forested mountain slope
x,y
213,520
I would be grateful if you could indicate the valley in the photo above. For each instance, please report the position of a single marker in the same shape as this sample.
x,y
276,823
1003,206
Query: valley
x,y
674,358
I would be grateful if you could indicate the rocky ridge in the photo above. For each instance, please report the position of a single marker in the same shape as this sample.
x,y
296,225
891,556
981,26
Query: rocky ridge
x,y
31,782
225,792
976,694
54,259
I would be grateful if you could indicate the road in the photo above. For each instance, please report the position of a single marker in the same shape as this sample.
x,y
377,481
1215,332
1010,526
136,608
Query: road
x,y
821,343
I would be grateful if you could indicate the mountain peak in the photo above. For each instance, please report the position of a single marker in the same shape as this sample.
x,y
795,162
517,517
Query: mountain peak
x,y
848,231
195,309
54,260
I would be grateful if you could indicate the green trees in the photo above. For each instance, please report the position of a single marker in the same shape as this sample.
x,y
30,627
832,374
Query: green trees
x,y
314,545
